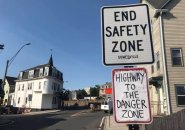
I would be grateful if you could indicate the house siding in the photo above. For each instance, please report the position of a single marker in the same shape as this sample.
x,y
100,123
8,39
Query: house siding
x,y
174,36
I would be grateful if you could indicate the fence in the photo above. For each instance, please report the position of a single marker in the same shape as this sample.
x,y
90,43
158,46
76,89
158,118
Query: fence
x,y
175,121
157,108
76,104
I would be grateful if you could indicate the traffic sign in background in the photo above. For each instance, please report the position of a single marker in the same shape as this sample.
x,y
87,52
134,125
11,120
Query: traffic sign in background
x,y
126,35
131,96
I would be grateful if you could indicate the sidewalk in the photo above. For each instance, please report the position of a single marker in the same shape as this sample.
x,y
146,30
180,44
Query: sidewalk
x,y
112,125
5,119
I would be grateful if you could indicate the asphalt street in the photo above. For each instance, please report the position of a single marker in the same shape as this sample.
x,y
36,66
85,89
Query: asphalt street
x,y
63,120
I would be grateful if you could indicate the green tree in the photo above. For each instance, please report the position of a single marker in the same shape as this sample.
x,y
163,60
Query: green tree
x,y
65,94
1,92
81,93
94,91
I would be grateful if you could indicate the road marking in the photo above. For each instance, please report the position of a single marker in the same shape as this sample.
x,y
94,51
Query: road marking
x,y
79,113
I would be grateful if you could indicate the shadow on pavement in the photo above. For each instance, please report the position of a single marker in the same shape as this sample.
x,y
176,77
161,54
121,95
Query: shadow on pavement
x,y
34,122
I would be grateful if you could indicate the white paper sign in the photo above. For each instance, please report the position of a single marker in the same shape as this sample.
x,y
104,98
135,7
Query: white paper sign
x,y
131,97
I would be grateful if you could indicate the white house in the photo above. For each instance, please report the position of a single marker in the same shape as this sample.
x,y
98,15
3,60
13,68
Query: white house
x,y
73,95
102,91
38,87
9,89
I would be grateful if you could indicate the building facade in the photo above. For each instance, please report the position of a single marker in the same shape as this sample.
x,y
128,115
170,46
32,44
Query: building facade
x,y
9,89
167,73
38,88
73,95
102,91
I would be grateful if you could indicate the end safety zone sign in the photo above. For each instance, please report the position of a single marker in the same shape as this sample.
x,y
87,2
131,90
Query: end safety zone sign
x,y
131,96
126,35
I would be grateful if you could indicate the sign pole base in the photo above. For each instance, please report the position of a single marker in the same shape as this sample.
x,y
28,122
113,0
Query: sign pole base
x,y
133,127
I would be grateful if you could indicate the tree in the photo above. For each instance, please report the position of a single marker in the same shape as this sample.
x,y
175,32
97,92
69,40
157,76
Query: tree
x,y
94,91
81,93
65,94
1,92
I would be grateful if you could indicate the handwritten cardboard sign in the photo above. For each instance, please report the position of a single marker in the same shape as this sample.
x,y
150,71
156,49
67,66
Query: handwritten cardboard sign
x,y
131,97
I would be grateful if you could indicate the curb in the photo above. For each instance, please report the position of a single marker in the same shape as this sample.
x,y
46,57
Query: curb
x,y
40,112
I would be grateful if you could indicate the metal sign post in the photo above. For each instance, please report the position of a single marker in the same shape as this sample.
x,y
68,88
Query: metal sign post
x,y
127,40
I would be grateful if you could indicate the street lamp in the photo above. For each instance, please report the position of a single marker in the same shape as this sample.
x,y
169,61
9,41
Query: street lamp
x,y
10,61
1,46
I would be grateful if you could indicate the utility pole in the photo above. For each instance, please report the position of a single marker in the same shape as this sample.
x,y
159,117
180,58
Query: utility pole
x,y
1,89
7,66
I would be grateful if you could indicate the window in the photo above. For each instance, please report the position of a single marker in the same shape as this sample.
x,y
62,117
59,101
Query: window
x,y
54,86
54,101
20,75
41,72
39,85
54,71
176,55
45,84
31,74
180,93
18,100
158,65
29,86
23,87
29,97
19,87
158,61
46,71
59,75
26,100
58,87
152,69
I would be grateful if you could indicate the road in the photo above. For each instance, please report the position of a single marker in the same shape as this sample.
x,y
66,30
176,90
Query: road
x,y
63,120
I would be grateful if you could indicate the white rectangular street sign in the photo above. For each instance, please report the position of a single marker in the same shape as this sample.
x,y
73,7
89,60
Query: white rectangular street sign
x,y
131,97
126,35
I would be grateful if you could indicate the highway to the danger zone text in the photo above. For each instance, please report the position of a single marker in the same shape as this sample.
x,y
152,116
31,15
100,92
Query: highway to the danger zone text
x,y
131,97
126,35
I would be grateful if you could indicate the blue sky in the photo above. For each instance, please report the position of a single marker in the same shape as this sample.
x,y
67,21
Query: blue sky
x,y
71,28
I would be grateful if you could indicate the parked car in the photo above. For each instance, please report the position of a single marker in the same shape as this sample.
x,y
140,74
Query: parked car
x,y
10,109
2,109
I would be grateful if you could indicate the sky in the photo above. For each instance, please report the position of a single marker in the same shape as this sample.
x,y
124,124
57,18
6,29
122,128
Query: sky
x,y
71,28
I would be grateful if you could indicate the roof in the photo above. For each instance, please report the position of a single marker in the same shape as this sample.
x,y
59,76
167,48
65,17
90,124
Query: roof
x,y
49,64
50,61
1,81
37,67
157,4
39,71
11,80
